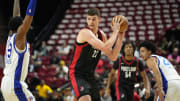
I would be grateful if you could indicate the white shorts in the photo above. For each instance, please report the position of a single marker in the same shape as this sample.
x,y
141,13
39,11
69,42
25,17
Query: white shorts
x,y
173,91
9,94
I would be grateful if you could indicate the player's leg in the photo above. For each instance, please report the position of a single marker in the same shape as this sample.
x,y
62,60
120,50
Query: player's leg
x,y
121,93
7,91
28,95
177,95
10,97
81,88
173,92
130,94
95,90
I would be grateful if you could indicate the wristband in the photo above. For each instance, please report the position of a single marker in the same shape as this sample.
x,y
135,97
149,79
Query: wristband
x,y
31,8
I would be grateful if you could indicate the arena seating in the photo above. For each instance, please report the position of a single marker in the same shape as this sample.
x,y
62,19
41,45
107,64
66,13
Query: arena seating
x,y
147,18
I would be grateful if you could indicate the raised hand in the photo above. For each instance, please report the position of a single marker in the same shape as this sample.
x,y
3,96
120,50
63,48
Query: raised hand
x,y
115,24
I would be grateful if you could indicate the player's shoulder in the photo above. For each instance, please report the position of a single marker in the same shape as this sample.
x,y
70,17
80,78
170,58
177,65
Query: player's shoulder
x,y
151,60
84,30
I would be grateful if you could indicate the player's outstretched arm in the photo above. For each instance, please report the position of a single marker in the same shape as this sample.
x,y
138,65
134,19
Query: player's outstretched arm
x,y
20,39
16,8
110,79
151,63
146,83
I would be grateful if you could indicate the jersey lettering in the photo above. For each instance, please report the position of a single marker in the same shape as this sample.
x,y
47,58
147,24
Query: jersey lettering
x,y
9,50
8,54
95,53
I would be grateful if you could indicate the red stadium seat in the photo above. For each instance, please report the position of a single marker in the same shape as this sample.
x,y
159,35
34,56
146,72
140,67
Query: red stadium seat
x,y
148,16
60,82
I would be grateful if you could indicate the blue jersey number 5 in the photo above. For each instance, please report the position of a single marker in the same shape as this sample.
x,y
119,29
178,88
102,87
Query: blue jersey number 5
x,y
9,50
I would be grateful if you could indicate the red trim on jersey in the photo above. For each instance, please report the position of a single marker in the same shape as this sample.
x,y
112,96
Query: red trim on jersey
x,y
117,81
74,83
137,64
101,35
129,63
137,68
77,54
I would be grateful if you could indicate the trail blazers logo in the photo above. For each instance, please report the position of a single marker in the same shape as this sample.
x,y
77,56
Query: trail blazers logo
x,y
81,88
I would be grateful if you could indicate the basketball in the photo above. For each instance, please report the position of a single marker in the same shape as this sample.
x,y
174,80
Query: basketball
x,y
124,24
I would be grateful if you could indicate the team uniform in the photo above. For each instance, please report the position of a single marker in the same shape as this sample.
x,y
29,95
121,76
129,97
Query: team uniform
x,y
126,77
81,70
13,84
170,79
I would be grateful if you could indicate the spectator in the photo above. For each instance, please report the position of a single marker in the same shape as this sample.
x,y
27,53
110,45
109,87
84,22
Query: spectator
x,y
31,65
37,59
57,96
67,95
164,45
62,71
174,58
44,90
38,98
43,51
54,60
64,67
64,49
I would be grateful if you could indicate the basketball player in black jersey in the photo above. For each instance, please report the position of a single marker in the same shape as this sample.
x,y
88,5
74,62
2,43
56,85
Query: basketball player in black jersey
x,y
90,42
128,67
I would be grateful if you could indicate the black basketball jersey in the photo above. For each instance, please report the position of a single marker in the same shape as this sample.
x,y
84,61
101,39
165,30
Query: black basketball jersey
x,y
85,58
127,70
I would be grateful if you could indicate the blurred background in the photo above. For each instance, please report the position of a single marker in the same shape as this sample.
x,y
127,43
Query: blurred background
x,y
57,22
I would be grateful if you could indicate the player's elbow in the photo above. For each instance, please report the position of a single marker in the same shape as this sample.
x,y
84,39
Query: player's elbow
x,y
112,57
108,52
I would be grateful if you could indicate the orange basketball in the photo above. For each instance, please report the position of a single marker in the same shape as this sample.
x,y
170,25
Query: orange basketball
x,y
124,24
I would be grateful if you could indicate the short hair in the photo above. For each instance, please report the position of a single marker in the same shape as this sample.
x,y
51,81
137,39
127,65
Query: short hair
x,y
123,46
14,23
93,11
149,46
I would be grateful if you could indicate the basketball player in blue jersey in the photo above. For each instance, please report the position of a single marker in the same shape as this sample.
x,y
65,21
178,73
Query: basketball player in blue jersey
x,y
168,80
13,84
128,67
90,42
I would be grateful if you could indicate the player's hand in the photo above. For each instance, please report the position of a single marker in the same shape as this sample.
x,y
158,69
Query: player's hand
x,y
147,93
108,92
161,95
116,24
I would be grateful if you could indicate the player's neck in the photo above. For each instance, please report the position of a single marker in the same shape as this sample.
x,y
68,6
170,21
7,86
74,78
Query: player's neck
x,y
95,31
129,57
